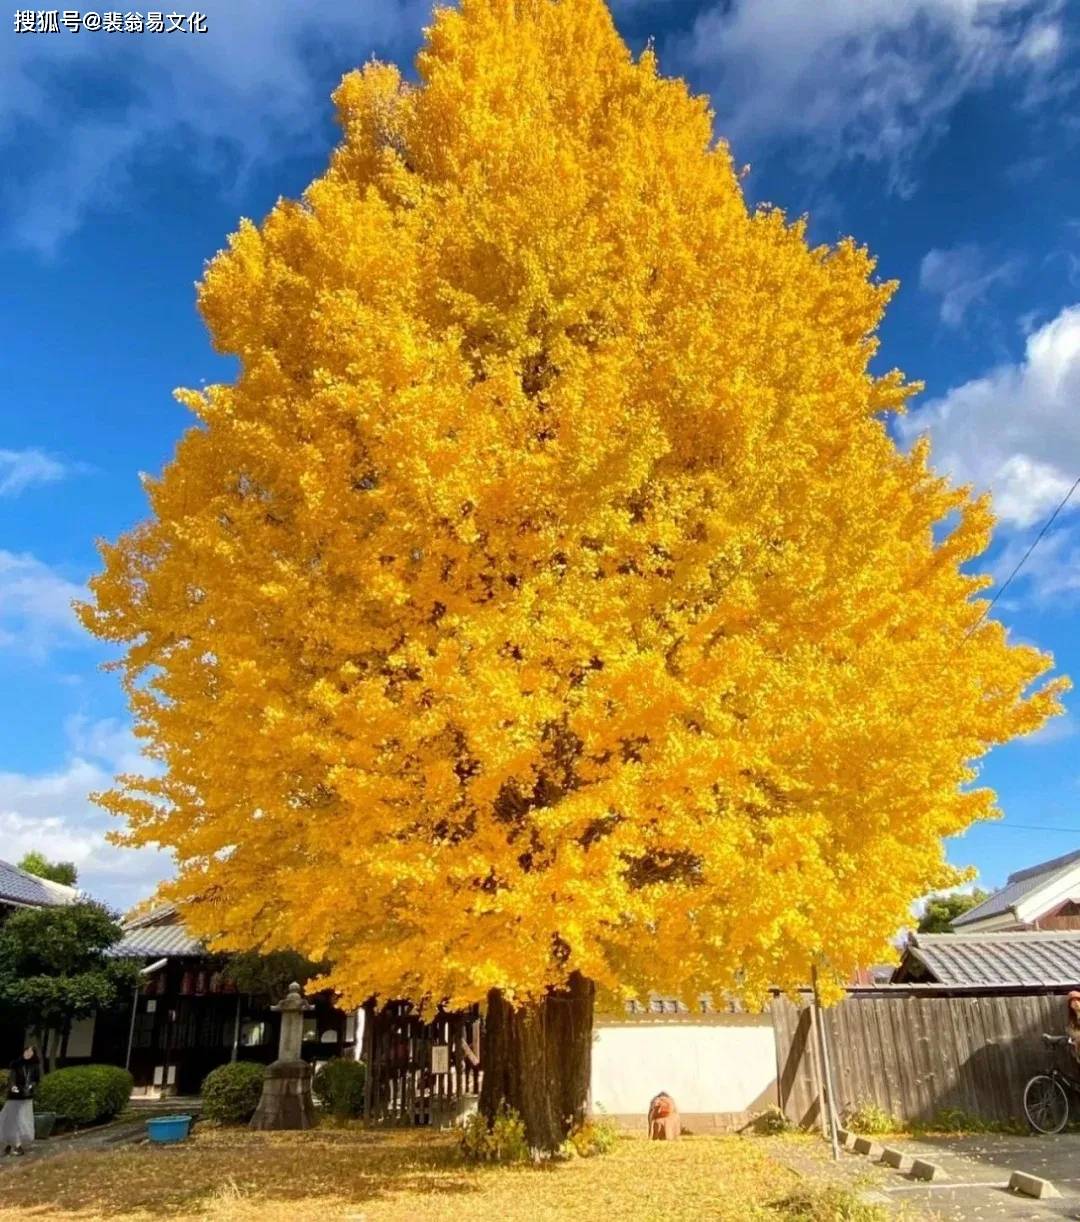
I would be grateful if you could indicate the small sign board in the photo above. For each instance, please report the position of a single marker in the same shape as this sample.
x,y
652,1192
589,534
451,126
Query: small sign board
x,y
440,1058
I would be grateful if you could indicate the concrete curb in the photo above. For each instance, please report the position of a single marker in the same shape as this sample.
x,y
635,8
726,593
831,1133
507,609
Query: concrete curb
x,y
863,1145
922,1170
846,1139
1031,1185
896,1158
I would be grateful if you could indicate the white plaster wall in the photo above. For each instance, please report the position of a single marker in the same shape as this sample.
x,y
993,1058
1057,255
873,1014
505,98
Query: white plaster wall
x,y
714,1067
81,1039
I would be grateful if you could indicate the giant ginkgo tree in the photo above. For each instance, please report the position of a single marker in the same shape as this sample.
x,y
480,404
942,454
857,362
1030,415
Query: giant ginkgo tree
x,y
546,606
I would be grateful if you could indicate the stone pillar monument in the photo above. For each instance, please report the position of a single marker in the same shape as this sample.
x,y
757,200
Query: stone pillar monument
x,y
286,1101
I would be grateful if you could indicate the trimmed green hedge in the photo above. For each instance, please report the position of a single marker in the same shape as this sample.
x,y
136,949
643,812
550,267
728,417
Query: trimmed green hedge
x,y
339,1087
84,1094
231,1093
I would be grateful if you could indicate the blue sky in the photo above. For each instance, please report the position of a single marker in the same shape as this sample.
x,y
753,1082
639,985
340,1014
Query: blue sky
x,y
942,133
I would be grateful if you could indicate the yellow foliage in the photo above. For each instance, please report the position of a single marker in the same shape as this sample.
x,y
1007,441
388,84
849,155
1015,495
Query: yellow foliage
x,y
547,592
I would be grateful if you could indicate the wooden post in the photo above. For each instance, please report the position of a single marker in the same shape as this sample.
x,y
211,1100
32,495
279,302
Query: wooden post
x,y
369,1045
236,1030
131,1029
826,1069
813,1056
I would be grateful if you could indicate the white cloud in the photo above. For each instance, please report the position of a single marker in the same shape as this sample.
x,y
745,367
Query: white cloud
x,y
1015,431
35,605
1028,321
21,469
1042,42
52,812
961,277
874,80
250,91
1052,571
108,741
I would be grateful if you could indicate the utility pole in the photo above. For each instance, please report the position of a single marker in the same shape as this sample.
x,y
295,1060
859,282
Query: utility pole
x,y
826,1066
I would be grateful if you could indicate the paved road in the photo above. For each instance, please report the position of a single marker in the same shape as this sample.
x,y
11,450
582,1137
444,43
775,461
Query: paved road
x,y
119,1133
977,1171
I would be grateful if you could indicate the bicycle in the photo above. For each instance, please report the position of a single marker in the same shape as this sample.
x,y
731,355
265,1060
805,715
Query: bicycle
x,y
1046,1096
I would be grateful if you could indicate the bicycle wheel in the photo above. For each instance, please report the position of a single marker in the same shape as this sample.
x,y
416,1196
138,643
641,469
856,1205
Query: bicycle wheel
x,y
1046,1104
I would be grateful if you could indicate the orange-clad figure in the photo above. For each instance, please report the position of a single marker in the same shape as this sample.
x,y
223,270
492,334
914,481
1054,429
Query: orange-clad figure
x,y
663,1118
1072,1027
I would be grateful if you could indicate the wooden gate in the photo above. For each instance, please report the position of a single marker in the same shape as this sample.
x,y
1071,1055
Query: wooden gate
x,y
421,1071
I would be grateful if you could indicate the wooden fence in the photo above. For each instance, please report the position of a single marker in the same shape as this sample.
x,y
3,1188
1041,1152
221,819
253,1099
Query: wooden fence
x,y
420,1072
916,1054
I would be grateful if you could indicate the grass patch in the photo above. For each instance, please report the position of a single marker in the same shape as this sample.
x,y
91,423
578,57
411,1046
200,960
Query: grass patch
x,y
234,1175
869,1120
955,1121
829,1204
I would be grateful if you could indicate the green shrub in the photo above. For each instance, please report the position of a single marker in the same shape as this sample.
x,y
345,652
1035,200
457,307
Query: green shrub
x,y
4,1076
595,1135
956,1120
339,1087
869,1119
85,1094
503,1142
231,1092
770,1122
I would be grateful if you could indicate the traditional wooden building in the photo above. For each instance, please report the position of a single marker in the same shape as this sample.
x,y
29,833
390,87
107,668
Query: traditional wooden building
x,y
185,1017
1035,961
19,889
1043,896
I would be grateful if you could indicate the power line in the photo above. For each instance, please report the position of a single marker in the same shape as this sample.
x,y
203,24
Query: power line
x,y
1023,559
1024,827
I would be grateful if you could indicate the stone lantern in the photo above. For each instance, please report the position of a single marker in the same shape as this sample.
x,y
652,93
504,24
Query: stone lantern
x,y
286,1101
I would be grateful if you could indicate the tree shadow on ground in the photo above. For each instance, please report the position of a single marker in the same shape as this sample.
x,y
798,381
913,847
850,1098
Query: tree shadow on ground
x,y
232,1171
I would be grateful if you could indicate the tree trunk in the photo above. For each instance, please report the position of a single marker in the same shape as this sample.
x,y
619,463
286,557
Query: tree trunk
x,y
538,1060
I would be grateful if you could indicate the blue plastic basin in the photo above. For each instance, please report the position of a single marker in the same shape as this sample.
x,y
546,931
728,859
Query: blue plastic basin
x,y
165,1129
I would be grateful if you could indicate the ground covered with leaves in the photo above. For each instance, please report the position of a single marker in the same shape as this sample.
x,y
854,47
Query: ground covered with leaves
x,y
365,1176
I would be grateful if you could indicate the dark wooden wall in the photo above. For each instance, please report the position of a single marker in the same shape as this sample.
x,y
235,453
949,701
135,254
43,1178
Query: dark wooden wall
x,y
917,1055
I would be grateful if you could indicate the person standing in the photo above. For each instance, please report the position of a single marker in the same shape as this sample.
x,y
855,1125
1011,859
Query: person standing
x,y
1072,1023
17,1116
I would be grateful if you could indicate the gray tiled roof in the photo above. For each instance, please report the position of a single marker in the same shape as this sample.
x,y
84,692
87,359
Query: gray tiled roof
x,y
19,887
158,935
1046,960
1017,886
